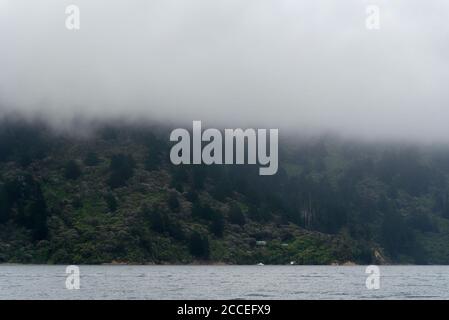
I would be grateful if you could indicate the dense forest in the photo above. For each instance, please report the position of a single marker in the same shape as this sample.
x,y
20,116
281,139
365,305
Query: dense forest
x,y
112,196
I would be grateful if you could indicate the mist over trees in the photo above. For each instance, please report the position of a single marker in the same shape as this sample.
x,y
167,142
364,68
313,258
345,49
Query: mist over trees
x,y
331,200
306,65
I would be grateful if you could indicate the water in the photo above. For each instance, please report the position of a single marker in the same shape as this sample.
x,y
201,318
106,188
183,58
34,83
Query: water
x,y
224,282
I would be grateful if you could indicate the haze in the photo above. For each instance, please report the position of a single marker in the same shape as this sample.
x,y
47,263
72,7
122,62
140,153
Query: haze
x,y
309,66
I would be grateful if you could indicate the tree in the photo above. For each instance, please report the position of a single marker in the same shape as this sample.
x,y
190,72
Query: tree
x,y
36,214
396,236
155,153
26,196
235,215
174,229
217,225
91,159
72,170
157,221
199,246
192,196
5,205
173,202
152,161
203,212
111,201
199,177
121,169
179,177
222,189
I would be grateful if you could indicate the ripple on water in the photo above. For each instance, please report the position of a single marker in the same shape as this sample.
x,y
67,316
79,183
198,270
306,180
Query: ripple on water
x,y
223,282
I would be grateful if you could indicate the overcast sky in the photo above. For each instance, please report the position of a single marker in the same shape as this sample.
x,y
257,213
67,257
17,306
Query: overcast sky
x,y
308,65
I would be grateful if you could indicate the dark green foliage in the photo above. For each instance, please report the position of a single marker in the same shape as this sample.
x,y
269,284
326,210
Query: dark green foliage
x,y
77,203
121,169
235,215
180,176
422,222
202,211
217,225
34,217
22,142
158,221
173,202
395,233
5,204
72,170
111,202
192,196
261,214
155,155
403,170
162,223
442,204
22,201
222,189
199,176
91,159
153,161
178,186
175,230
331,201
399,239
199,246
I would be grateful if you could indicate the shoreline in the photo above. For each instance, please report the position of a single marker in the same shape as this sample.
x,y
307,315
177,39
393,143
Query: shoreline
x,y
221,265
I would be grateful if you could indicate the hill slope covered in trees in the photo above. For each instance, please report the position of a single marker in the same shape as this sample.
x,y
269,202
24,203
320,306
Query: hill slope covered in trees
x,y
114,196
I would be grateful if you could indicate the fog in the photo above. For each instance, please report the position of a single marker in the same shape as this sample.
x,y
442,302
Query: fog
x,y
308,66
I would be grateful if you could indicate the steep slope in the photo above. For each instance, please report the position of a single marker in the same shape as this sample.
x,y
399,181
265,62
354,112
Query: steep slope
x,y
114,196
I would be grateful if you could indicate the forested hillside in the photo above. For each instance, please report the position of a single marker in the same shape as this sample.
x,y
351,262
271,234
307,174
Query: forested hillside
x,y
114,197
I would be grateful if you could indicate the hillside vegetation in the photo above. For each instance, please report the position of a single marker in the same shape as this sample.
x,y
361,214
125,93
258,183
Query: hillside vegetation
x,y
114,197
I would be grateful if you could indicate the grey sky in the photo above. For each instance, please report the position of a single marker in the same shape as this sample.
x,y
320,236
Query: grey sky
x,y
307,65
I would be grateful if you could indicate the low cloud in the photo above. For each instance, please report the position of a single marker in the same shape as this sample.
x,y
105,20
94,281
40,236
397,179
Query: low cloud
x,y
310,66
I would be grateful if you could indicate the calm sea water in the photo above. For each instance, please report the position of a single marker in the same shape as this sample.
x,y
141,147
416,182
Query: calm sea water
x,y
224,282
